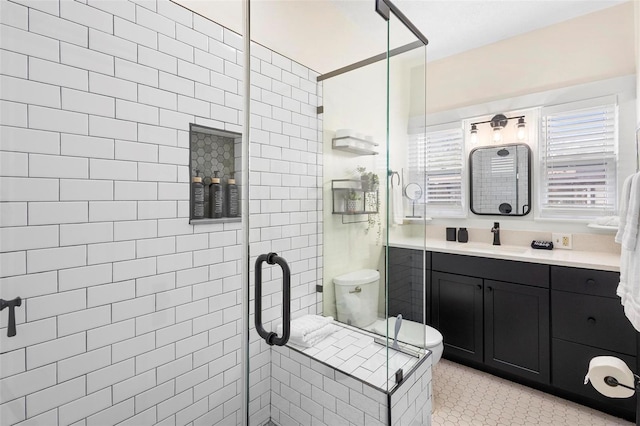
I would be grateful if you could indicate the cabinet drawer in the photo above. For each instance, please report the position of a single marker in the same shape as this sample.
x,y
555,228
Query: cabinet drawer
x,y
585,281
534,274
592,320
569,365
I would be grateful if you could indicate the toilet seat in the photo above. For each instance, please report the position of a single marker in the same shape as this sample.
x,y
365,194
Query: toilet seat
x,y
411,332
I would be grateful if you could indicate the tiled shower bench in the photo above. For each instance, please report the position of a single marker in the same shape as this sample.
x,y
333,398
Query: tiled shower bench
x,y
343,380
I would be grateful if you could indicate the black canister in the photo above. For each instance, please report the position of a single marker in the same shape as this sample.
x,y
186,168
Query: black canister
x,y
463,235
451,234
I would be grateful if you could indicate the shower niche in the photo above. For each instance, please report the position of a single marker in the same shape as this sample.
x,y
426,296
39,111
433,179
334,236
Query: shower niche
x,y
215,162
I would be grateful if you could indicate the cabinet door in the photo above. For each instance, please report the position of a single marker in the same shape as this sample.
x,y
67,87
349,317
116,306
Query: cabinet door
x,y
516,329
457,314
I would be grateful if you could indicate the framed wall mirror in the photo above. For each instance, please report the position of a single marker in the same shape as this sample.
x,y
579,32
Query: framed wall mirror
x,y
500,180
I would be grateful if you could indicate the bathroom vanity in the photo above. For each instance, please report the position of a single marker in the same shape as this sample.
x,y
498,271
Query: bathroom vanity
x,y
496,314
538,322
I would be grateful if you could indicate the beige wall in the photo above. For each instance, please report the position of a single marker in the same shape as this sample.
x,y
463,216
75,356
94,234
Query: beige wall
x,y
592,47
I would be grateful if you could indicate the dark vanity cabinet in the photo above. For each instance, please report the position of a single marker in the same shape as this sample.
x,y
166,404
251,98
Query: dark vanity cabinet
x,y
587,321
408,283
493,312
535,323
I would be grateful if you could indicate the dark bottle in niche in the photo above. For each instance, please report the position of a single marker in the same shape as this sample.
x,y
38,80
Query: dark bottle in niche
x,y
216,198
233,209
197,197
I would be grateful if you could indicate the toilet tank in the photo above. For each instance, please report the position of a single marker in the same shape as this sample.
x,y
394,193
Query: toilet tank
x,y
357,297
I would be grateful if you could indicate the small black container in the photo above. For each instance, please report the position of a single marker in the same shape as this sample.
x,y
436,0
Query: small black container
x,y
451,234
463,235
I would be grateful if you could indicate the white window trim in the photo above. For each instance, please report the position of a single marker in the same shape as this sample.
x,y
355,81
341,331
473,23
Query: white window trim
x,y
445,211
578,214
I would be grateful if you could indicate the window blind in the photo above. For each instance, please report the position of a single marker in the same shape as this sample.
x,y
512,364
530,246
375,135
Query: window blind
x,y
435,162
579,162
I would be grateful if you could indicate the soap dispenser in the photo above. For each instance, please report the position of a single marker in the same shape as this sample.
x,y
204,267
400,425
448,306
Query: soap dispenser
x,y
233,199
197,197
463,235
216,198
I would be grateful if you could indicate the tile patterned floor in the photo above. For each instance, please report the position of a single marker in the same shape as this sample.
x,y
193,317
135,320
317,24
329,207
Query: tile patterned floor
x,y
466,397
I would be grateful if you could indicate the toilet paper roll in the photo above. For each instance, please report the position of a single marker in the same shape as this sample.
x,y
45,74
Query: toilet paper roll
x,y
602,367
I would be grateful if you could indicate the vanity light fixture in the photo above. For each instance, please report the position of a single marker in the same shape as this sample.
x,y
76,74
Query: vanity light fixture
x,y
497,123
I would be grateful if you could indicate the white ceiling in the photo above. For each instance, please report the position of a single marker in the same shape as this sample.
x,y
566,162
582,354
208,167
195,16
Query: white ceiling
x,y
328,34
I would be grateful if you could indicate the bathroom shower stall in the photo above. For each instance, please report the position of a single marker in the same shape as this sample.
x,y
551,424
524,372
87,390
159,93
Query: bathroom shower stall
x,y
120,306
326,177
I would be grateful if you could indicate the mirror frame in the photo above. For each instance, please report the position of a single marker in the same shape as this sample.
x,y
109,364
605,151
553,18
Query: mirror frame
x,y
529,153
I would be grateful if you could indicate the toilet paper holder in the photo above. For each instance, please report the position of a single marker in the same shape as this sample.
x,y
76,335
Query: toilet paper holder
x,y
614,382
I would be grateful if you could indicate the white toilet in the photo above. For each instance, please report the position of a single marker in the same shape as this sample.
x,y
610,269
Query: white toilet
x,y
357,305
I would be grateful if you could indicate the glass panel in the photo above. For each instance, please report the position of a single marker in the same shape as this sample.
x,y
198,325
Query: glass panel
x,y
319,196
354,210
406,284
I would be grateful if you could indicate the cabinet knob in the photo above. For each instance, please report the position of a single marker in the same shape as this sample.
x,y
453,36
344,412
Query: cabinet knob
x,y
479,286
591,281
490,288
591,320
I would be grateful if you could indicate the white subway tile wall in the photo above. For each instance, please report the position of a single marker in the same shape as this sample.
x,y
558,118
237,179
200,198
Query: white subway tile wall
x,y
129,313
286,161
307,392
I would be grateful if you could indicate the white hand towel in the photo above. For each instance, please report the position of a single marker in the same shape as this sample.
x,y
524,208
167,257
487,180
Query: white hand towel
x,y
624,203
631,229
397,204
629,287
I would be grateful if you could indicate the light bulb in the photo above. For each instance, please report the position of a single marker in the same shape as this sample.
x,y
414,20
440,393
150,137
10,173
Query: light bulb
x,y
474,138
497,135
521,132
474,134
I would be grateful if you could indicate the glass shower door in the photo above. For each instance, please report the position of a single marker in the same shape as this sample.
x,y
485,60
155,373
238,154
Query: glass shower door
x,y
319,173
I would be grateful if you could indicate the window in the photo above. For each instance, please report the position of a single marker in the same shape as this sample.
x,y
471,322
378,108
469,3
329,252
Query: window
x,y
436,162
578,159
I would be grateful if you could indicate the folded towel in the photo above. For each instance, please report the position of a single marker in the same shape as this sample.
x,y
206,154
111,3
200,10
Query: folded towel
x,y
607,221
397,202
308,330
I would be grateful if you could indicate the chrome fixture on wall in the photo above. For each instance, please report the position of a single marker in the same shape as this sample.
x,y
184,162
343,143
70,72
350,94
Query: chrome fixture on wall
x,y
497,123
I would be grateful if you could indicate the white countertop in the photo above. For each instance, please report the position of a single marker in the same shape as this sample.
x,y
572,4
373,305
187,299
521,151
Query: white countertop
x,y
577,259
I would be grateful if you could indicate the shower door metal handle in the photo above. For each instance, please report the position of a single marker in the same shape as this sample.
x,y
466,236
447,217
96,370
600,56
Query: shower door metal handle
x,y
269,336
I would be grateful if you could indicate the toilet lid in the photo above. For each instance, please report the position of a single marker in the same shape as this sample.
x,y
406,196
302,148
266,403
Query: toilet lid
x,y
411,332
363,276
